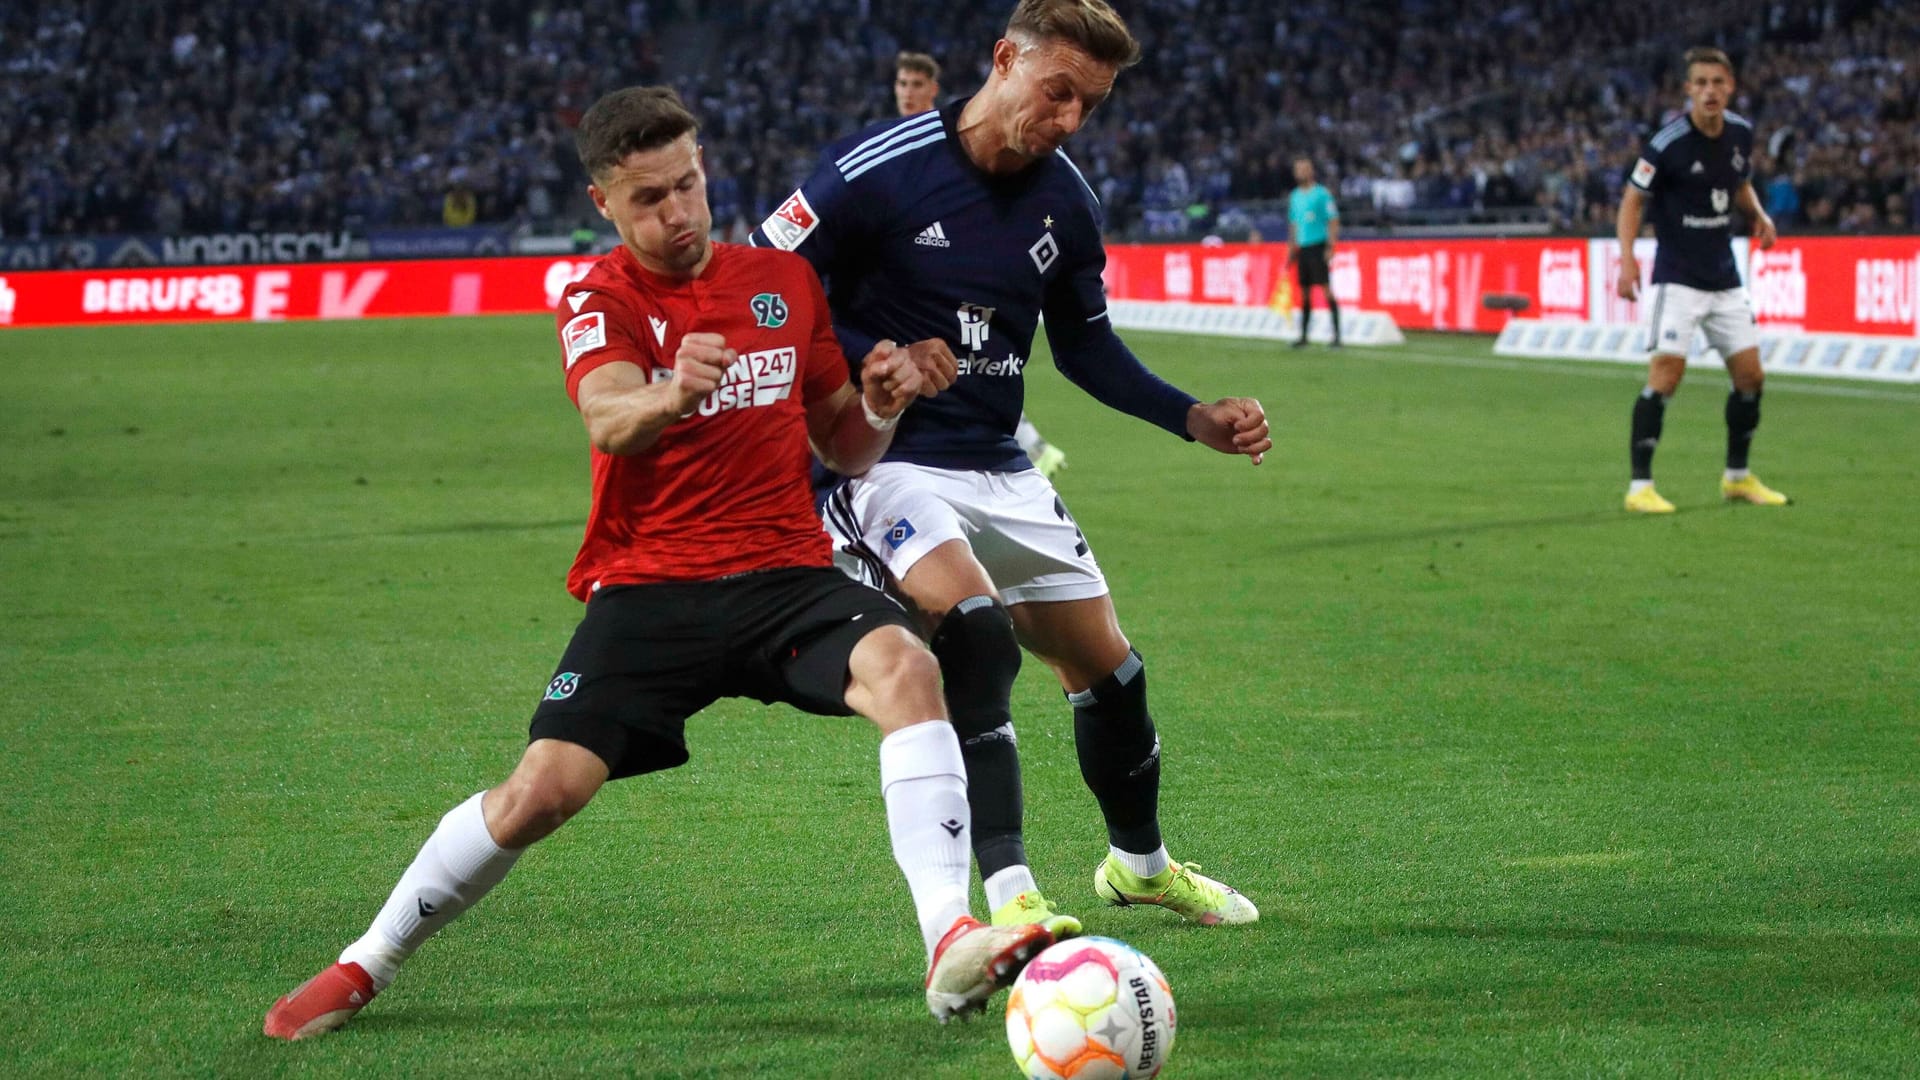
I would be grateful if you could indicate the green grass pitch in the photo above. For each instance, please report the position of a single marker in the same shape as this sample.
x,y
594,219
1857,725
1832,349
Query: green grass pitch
x,y
1522,784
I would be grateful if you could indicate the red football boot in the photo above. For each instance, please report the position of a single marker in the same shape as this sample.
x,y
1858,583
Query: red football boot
x,y
321,1004
973,960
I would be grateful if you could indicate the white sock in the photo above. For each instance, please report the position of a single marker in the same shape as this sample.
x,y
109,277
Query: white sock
x,y
1637,486
924,783
455,868
1737,475
1149,865
1006,884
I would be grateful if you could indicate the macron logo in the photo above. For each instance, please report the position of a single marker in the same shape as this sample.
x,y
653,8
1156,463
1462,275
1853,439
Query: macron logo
x,y
659,329
933,236
576,299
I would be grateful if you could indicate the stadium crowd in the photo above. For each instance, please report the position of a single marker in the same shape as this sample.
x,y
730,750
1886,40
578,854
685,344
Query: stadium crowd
x,y
226,116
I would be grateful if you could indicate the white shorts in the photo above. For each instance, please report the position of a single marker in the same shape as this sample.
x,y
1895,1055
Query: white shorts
x,y
1724,317
884,522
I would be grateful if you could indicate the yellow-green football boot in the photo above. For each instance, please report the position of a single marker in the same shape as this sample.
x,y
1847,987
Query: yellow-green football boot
x,y
1179,888
1031,907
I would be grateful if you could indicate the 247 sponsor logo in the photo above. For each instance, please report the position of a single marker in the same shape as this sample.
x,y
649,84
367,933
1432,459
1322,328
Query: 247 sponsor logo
x,y
755,379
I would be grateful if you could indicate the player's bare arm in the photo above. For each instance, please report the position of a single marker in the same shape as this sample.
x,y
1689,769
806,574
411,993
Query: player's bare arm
x,y
1626,226
851,428
1748,204
1234,425
625,412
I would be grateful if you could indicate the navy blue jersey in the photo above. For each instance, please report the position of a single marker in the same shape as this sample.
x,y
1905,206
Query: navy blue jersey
x,y
916,242
1692,180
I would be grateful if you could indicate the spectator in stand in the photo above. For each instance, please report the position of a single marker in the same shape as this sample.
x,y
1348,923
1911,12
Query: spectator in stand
x,y
460,208
335,113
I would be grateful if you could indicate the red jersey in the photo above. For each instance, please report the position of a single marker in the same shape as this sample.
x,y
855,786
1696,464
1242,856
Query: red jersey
x,y
725,490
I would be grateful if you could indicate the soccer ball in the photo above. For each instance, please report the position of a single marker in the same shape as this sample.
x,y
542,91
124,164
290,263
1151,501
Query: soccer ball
x,y
1090,1008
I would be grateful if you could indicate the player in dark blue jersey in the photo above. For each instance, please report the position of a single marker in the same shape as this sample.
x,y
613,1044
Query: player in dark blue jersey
x,y
956,231
1692,172
916,89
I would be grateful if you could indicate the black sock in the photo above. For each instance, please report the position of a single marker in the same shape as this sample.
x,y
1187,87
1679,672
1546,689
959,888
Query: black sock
x,y
1743,418
1333,307
979,658
1306,311
1120,755
1649,410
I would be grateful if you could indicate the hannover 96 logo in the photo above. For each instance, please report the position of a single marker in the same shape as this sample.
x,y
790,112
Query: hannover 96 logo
x,y
769,309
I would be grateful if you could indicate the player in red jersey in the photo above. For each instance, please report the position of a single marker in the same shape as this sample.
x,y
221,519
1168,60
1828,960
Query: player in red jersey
x,y
703,371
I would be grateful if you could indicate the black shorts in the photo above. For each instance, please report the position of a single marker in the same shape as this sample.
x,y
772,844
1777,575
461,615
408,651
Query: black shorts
x,y
1310,265
646,657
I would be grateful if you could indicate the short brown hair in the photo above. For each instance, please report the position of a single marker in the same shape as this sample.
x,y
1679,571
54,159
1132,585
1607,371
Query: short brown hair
x,y
627,121
1092,26
1707,54
919,63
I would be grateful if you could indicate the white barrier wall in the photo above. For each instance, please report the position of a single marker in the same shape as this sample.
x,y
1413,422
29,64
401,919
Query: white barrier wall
x,y
1840,356
1356,327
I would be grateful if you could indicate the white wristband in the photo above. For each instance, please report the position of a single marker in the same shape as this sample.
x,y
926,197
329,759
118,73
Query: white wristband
x,y
875,420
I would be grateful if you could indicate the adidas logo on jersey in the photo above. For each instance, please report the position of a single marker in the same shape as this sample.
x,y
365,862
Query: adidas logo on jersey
x,y
933,236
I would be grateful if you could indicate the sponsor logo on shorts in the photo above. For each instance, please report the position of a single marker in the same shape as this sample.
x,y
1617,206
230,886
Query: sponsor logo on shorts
x,y
769,310
563,686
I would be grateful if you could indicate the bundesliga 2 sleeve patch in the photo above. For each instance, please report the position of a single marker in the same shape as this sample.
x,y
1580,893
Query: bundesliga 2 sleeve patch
x,y
786,227
582,335
1643,173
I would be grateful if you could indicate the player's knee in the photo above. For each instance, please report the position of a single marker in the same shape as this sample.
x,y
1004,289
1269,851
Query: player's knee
x,y
979,659
532,807
897,668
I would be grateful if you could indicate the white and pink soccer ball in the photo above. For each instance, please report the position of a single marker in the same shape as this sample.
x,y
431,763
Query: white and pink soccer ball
x,y
1091,1008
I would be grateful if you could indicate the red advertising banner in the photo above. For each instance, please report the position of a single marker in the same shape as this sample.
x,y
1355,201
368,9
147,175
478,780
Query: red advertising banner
x,y
1423,284
1865,285
500,286
1855,285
